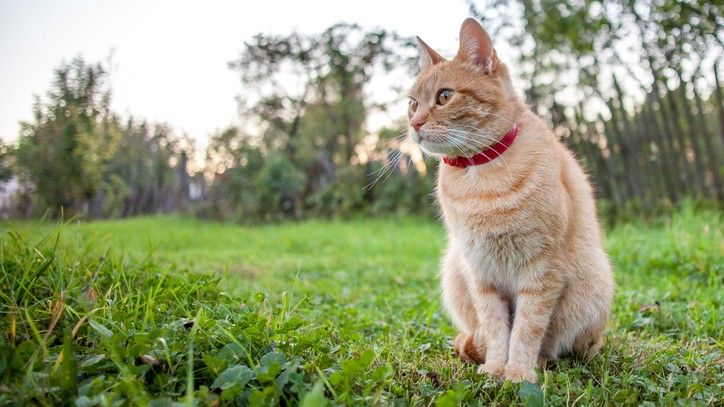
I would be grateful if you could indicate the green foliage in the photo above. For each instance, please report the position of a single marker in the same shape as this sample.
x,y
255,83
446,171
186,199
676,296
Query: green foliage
x,y
531,395
141,178
410,193
109,329
327,311
624,84
278,188
79,158
6,161
237,161
344,195
312,127
64,151
563,45
303,148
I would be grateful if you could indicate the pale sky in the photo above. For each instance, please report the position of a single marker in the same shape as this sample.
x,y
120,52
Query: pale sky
x,y
171,57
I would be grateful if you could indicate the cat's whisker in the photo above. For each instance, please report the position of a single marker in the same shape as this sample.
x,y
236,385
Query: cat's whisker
x,y
394,140
477,143
384,166
501,118
480,139
456,144
491,140
501,162
477,132
388,167
389,173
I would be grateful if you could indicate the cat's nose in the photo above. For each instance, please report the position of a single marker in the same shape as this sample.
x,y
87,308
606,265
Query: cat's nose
x,y
418,123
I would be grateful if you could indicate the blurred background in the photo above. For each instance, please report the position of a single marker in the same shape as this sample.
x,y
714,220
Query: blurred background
x,y
288,110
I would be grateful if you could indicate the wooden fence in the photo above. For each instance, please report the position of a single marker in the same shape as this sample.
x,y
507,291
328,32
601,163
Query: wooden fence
x,y
668,149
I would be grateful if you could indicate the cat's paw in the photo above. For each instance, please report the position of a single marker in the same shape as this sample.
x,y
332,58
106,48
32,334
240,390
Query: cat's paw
x,y
492,369
517,374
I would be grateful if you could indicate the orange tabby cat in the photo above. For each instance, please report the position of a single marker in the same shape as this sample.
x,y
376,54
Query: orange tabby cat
x,y
525,277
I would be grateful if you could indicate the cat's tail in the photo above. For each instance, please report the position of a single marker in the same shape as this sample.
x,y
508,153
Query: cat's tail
x,y
466,348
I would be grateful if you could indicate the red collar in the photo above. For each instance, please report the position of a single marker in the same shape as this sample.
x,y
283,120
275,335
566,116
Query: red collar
x,y
487,155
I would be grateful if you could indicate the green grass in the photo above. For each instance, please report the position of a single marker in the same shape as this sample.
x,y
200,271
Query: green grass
x,y
170,310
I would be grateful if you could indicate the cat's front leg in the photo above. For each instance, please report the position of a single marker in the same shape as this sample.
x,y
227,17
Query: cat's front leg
x,y
533,311
492,311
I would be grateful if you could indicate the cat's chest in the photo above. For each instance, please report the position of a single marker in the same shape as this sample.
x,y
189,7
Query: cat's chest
x,y
501,257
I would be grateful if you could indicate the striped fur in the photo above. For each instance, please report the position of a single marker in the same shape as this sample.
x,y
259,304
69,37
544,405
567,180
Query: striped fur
x,y
525,277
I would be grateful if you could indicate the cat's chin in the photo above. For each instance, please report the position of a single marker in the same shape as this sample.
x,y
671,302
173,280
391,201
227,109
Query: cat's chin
x,y
438,148
441,149
430,149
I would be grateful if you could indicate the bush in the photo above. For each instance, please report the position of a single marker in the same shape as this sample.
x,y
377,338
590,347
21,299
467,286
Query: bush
x,y
409,193
344,196
279,189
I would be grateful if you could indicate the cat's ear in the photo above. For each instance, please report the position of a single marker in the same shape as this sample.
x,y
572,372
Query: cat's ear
x,y
428,56
476,46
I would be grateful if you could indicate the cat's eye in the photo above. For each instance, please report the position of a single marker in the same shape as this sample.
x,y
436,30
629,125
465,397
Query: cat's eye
x,y
413,105
444,96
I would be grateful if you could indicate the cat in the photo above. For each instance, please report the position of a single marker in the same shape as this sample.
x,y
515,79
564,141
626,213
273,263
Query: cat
x,y
525,277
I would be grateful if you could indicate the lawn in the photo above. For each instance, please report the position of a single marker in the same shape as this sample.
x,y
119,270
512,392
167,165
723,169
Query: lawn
x,y
169,309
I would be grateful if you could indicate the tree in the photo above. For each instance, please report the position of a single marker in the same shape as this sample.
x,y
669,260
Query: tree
x,y
305,102
64,151
79,158
283,76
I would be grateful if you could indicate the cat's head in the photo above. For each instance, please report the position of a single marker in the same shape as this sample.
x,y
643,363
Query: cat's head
x,y
461,106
